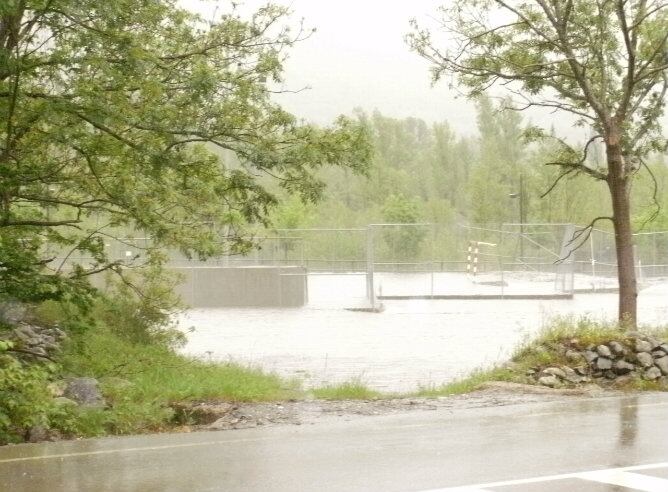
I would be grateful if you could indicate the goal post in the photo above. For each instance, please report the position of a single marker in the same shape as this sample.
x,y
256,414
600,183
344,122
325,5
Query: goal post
x,y
473,256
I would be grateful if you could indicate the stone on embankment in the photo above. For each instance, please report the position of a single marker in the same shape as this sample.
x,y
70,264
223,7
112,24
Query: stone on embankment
x,y
590,356
604,351
653,373
622,367
85,392
555,371
12,312
662,364
654,342
572,376
645,359
614,363
643,346
549,381
37,434
617,348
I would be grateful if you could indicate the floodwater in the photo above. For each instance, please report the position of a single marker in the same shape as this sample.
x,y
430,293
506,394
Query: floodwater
x,y
412,344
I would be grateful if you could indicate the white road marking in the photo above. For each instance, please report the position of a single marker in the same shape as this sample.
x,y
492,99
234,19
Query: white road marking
x,y
130,450
467,489
663,404
581,475
625,479
472,488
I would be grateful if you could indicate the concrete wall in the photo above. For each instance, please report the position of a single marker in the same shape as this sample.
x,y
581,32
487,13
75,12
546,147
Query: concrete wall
x,y
253,286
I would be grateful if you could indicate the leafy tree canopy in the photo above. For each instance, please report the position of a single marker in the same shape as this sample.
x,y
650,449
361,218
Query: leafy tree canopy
x,y
114,117
603,61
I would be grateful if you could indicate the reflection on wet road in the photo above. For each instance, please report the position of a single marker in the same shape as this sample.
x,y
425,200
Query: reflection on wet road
x,y
500,448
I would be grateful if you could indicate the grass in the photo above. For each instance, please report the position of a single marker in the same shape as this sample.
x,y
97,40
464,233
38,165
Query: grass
x,y
547,350
582,330
467,384
141,375
142,378
158,373
354,389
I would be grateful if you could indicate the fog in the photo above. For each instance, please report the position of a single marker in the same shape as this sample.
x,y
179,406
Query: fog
x,y
357,58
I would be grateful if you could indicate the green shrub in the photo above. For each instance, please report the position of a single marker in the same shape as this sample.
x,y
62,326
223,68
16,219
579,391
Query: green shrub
x,y
25,401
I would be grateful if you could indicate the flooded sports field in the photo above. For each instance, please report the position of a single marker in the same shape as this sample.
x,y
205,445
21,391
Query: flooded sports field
x,y
412,343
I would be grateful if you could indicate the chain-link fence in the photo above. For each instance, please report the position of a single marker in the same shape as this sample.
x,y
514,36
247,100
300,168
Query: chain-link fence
x,y
596,261
432,261
358,266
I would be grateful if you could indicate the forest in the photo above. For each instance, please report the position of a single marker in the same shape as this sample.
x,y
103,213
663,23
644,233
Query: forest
x,y
423,172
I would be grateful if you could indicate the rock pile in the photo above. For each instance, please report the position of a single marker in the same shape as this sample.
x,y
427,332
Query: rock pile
x,y
617,362
36,342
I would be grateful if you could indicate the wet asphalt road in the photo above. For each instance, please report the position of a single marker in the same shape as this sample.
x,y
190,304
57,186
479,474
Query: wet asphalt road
x,y
499,447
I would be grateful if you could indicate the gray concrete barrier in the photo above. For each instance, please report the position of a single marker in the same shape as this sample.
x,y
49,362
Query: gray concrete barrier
x,y
252,286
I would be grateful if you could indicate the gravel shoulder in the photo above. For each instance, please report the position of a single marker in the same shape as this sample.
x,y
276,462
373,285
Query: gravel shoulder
x,y
227,416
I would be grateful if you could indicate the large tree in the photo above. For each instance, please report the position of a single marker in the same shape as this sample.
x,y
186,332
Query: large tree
x,y
137,115
602,61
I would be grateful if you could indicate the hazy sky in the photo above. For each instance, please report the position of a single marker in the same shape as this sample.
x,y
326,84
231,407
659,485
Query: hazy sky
x,y
358,58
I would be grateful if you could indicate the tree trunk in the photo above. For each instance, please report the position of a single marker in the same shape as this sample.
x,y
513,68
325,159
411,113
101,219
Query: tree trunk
x,y
618,183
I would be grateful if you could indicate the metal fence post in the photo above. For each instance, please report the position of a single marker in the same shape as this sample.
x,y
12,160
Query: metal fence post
x,y
371,294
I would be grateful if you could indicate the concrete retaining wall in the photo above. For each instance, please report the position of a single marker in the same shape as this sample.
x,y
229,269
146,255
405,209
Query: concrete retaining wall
x,y
243,286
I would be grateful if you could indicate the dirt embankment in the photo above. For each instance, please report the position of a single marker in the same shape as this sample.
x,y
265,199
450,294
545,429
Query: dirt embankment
x,y
227,416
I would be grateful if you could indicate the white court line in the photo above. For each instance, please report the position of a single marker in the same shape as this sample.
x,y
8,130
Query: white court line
x,y
482,487
625,479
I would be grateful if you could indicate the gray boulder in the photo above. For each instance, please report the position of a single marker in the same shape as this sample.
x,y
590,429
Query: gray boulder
x,y
643,346
603,363
25,332
37,434
572,376
590,356
662,364
554,371
617,348
653,342
622,367
652,373
550,381
610,375
12,312
85,392
604,351
645,359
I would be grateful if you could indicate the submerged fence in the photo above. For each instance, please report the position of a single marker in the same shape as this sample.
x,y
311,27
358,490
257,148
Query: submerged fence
x,y
414,261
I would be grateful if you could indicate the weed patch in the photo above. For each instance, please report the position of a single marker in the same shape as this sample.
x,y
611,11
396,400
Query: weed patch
x,y
354,389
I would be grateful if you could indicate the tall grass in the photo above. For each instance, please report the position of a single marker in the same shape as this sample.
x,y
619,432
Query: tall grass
x,y
158,373
354,389
467,384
